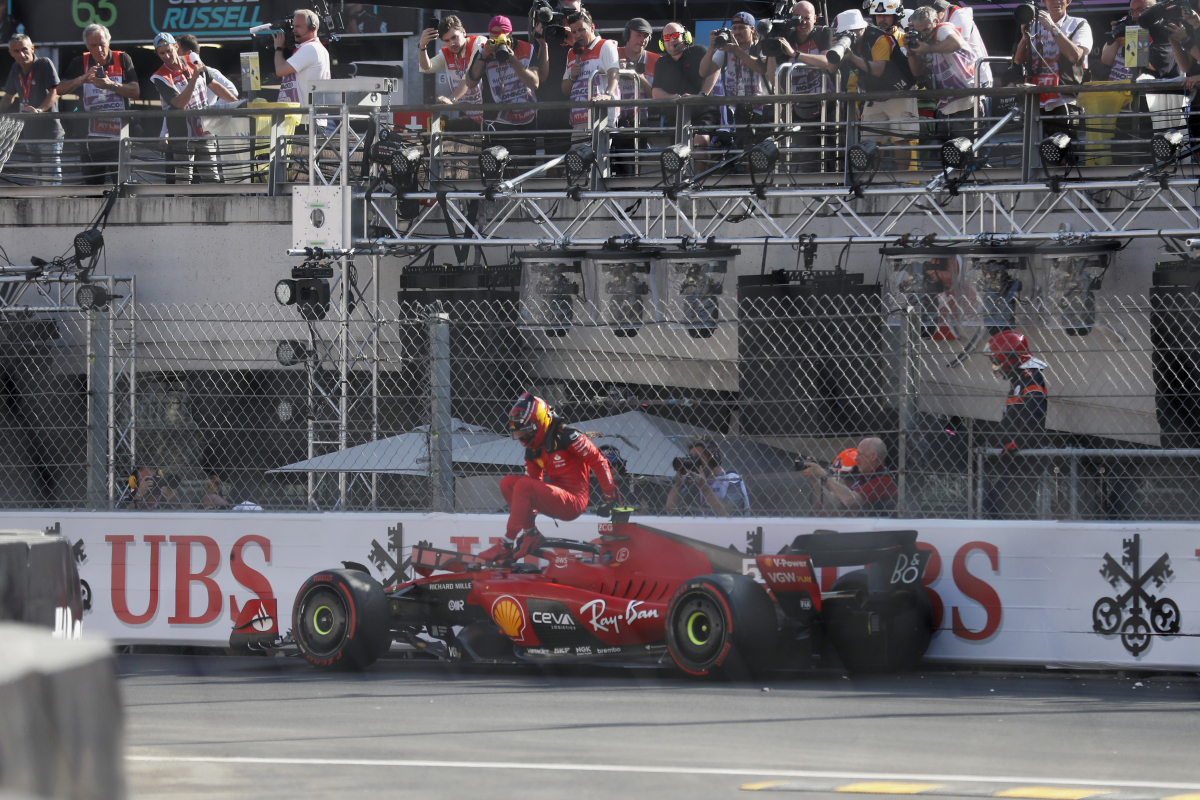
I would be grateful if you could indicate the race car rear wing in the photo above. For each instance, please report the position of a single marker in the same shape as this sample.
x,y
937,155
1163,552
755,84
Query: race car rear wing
x,y
892,558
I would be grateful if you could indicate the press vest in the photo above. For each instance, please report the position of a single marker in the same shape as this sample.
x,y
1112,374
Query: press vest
x,y
97,99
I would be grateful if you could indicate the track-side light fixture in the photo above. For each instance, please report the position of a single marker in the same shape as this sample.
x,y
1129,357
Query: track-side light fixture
x,y
310,295
863,157
285,409
492,164
405,163
674,161
290,352
1057,151
958,154
89,296
579,161
87,245
1166,146
763,158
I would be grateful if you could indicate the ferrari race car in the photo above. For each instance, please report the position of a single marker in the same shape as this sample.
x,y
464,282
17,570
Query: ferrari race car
x,y
634,595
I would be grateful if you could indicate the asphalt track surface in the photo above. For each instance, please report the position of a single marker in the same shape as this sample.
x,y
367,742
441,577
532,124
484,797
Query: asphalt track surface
x,y
220,727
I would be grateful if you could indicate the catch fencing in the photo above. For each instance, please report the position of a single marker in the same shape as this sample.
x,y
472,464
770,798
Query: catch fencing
x,y
403,407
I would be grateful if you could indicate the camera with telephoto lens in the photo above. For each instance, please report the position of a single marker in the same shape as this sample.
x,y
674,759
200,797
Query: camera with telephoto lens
x,y
842,44
772,32
723,37
1156,18
1025,13
688,465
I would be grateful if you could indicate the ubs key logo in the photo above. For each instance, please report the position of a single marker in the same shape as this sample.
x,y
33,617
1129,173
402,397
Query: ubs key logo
x,y
1125,612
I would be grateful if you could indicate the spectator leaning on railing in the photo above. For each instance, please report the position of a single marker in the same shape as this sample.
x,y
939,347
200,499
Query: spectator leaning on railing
x,y
1059,58
942,54
678,75
806,45
450,65
31,89
590,54
184,85
309,61
511,82
107,82
635,56
741,68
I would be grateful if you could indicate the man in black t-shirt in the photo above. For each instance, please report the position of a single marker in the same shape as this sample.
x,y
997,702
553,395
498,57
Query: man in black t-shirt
x,y
551,62
31,90
678,75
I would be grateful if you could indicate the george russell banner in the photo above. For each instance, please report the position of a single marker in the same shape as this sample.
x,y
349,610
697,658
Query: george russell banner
x,y
1106,594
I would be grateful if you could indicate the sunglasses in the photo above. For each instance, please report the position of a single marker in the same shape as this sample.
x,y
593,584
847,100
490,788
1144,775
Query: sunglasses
x,y
670,37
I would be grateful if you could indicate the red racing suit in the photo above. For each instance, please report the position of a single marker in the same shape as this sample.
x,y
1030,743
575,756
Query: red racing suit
x,y
555,482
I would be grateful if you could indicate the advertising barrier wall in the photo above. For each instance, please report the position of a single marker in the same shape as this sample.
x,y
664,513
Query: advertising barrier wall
x,y
1119,594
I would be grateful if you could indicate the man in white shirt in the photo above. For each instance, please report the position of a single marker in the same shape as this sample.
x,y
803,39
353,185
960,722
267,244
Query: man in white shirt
x,y
451,64
1061,44
310,62
590,54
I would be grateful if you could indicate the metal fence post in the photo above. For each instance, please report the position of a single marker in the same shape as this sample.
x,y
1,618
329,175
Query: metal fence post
x,y
907,409
99,398
441,455
1029,134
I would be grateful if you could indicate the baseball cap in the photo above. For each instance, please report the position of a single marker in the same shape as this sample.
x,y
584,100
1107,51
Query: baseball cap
x,y
640,25
501,22
851,20
163,38
744,17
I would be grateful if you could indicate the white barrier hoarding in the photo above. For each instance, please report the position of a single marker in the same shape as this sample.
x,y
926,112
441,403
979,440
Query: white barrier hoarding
x,y
1025,592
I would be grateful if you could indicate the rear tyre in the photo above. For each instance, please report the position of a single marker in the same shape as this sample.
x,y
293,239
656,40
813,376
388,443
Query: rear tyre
x,y
887,633
721,624
340,620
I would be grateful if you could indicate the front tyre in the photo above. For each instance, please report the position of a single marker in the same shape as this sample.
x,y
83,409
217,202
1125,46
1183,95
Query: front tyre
x,y
721,623
340,620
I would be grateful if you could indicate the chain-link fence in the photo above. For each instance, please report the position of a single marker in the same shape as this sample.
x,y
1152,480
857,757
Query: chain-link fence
x,y
403,407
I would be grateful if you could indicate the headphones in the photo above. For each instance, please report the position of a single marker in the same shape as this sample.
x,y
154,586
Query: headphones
x,y
133,477
687,39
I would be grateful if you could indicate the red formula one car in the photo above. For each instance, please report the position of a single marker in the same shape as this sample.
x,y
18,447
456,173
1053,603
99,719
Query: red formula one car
x,y
635,595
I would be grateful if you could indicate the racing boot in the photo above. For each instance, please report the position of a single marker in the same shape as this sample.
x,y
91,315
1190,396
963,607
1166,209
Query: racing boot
x,y
528,542
501,552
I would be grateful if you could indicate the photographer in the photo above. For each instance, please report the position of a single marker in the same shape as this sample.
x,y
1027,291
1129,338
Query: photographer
x,y
149,489
871,490
939,52
963,18
510,80
451,65
805,43
1162,62
590,54
106,81
700,483
1060,46
737,55
883,67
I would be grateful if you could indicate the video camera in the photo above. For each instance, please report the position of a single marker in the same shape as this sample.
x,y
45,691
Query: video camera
x,y
261,35
554,23
331,24
772,32
1117,32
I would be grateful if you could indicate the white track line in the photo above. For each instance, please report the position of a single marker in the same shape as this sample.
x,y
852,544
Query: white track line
x,y
659,770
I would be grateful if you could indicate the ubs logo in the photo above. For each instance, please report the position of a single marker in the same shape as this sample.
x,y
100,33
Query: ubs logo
x,y
1125,612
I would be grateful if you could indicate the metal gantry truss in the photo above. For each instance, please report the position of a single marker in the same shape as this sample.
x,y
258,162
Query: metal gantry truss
x,y
1111,208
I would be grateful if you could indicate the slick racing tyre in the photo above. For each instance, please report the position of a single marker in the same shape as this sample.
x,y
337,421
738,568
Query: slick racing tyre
x,y
340,620
880,633
721,623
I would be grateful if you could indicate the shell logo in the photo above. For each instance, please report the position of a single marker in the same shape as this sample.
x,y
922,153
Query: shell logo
x,y
509,616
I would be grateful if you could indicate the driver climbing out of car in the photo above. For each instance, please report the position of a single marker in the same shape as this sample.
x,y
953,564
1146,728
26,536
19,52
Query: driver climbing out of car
x,y
557,461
